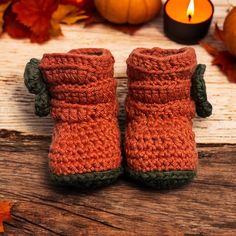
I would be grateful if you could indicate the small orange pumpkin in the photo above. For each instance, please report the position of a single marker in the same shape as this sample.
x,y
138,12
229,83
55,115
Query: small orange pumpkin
x,y
228,34
128,11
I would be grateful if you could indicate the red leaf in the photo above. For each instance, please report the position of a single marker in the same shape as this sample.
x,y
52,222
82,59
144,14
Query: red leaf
x,y
224,60
36,14
5,215
13,27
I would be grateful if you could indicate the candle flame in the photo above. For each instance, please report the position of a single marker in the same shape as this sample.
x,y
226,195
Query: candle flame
x,y
190,10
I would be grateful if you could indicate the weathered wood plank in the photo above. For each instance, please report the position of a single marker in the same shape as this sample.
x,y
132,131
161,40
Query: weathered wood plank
x,y
206,206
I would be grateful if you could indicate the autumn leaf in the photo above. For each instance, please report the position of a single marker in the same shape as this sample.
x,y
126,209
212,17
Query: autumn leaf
x,y
88,6
224,60
40,19
67,14
5,215
74,16
36,15
74,10
3,7
13,27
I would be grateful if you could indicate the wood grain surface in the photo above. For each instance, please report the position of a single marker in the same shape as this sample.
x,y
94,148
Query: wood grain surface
x,y
205,207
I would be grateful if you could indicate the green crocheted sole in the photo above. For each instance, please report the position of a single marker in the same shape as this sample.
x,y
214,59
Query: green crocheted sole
x,y
87,180
161,179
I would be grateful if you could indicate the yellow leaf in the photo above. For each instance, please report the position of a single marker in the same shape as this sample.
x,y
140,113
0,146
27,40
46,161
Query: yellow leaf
x,y
63,11
3,8
74,17
67,14
55,28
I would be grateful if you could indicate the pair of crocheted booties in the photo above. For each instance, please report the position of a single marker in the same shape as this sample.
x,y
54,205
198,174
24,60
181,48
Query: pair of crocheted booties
x,y
78,89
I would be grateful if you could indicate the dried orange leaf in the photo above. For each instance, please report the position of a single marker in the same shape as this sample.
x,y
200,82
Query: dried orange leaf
x,y
3,8
63,11
67,14
224,60
210,49
5,213
55,30
74,17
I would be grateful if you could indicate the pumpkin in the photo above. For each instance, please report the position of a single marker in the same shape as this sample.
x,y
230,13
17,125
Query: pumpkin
x,y
128,11
228,35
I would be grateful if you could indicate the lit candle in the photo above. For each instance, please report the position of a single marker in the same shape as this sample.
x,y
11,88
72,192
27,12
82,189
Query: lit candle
x,y
187,21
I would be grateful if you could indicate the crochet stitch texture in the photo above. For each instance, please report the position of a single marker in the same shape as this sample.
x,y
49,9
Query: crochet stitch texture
x,y
85,148
160,144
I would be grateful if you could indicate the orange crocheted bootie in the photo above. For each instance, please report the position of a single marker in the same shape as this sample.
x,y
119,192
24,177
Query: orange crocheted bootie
x,y
165,88
79,91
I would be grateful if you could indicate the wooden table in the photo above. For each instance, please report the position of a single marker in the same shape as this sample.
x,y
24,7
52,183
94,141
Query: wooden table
x,y
205,207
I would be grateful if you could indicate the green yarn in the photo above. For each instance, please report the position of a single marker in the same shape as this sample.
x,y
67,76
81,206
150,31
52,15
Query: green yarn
x,y
33,76
199,94
34,81
87,180
161,179
42,101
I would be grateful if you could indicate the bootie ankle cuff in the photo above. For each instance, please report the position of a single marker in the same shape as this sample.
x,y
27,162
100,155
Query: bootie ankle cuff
x,y
158,61
79,66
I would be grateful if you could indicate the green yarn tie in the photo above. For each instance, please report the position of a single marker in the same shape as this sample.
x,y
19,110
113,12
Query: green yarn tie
x,y
199,94
34,81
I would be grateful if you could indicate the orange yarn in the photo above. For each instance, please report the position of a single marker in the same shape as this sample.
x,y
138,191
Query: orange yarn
x,y
159,109
84,105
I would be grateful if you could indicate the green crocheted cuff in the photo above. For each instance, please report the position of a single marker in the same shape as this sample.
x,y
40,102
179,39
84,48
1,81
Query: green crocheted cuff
x,y
199,94
34,81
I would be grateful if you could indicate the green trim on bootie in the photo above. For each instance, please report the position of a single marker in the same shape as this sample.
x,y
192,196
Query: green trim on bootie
x,y
35,84
87,180
199,94
161,179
